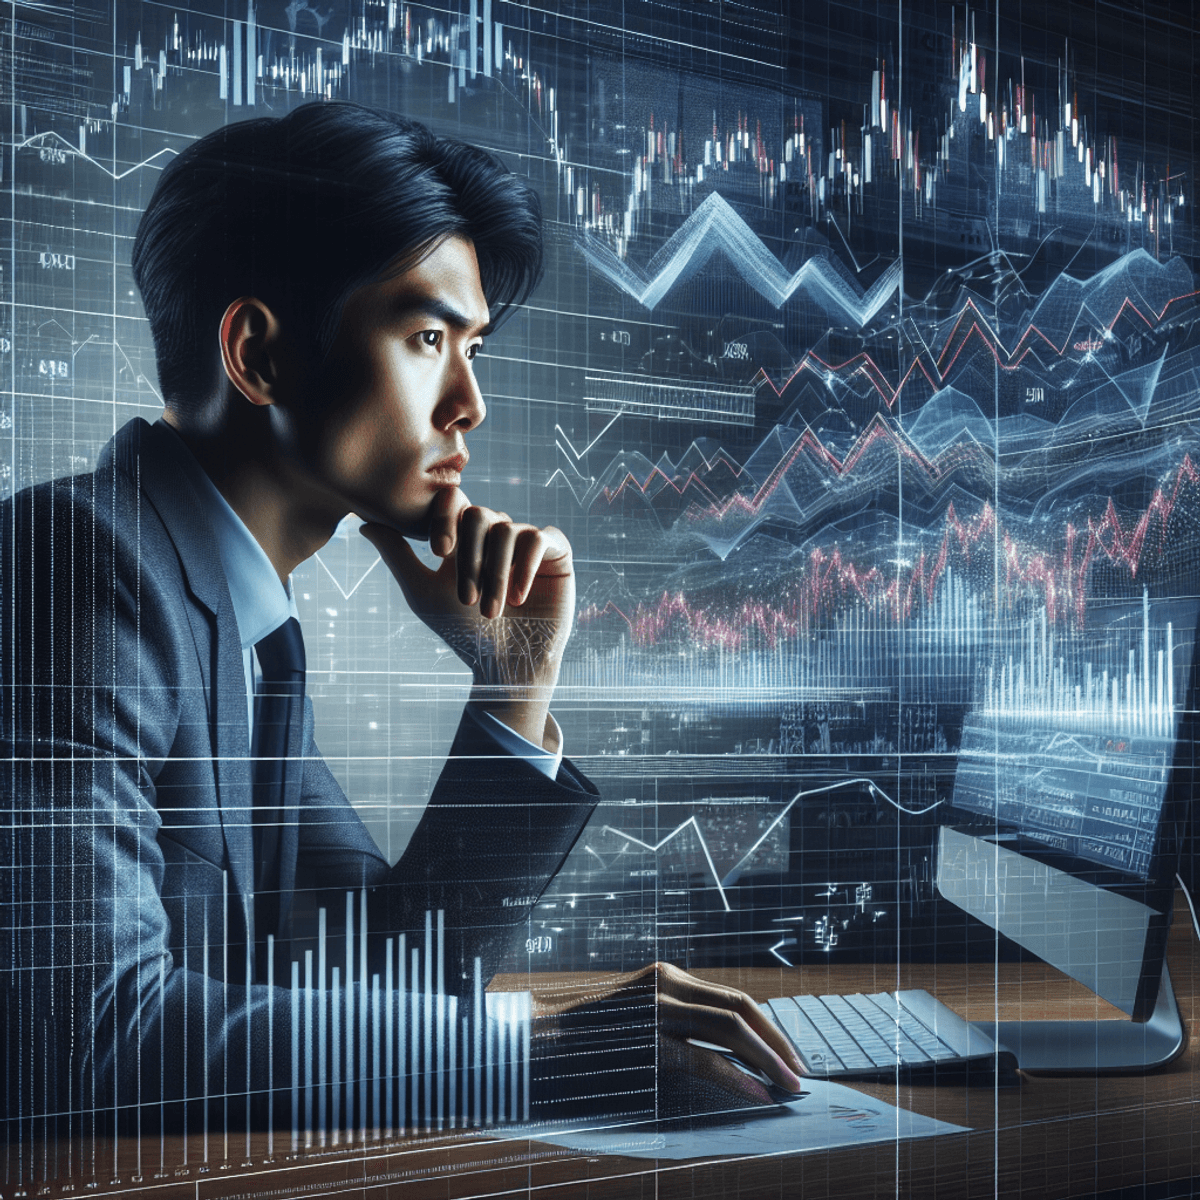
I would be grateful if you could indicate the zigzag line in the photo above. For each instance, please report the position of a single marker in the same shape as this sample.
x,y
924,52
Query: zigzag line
x,y
939,369
716,226
40,138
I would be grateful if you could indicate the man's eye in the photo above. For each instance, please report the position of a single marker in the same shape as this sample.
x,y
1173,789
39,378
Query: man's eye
x,y
431,337
472,351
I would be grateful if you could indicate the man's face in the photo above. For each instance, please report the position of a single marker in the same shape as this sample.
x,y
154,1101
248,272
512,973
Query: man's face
x,y
381,427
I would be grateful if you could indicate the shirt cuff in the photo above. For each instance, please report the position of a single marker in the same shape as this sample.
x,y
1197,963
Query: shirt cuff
x,y
546,761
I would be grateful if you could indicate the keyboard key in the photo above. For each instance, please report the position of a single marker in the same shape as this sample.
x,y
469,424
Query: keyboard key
x,y
870,1041
890,1027
842,1044
812,1047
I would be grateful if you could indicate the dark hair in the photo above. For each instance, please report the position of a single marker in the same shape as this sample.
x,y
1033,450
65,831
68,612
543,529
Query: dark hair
x,y
300,211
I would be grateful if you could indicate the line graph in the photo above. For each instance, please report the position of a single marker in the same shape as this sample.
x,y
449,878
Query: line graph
x,y
52,138
729,878
831,578
714,228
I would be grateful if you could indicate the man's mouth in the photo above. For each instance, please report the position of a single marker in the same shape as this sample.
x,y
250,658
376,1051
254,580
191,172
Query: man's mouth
x,y
448,471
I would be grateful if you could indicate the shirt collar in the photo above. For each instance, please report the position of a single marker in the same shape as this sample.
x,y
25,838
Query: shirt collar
x,y
260,602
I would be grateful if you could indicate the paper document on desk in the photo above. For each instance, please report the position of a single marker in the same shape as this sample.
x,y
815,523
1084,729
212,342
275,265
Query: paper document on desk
x,y
830,1116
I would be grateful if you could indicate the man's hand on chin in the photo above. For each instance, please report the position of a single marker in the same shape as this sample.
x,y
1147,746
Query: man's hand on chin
x,y
503,600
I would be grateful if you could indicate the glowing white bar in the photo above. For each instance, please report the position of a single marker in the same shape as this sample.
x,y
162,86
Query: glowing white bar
x,y
388,1032
515,1044
466,1068
237,63
428,1004
270,1043
349,984
502,1064
308,1046
204,1116
250,54
452,1069
477,1040
322,1019
295,1055
473,37
336,1074
362,1014
487,37
489,1058
414,1065
441,1017
526,1049
375,1063
403,1039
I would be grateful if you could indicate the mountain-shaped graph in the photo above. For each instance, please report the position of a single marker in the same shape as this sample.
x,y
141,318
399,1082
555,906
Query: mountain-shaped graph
x,y
714,228
1102,320
793,476
797,479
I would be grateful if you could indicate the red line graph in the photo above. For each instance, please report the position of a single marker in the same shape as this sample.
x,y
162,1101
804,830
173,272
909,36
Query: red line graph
x,y
830,579
877,430
936,371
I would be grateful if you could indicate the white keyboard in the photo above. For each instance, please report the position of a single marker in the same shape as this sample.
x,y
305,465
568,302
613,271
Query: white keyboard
x,y
882,1035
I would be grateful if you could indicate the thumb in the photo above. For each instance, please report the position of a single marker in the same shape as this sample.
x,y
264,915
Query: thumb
x,y
413,576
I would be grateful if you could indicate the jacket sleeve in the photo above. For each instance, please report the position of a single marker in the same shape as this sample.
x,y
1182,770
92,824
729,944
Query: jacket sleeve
x,y
493,835
491,838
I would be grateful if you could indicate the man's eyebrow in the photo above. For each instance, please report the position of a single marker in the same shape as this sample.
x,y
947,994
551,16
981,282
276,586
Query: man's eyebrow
x,y
439,310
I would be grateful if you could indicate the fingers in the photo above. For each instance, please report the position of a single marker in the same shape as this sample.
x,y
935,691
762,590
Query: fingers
x,y
473,527
448,506
493,579
498,560
729,1028
684,998
528,553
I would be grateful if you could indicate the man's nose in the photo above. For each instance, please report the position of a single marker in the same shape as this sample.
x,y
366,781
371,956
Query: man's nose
x,y
462,402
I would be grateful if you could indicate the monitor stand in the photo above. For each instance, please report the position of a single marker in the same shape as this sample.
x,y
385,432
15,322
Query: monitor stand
x,y
1092,1047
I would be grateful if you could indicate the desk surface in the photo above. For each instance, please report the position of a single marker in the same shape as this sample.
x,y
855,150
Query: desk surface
x,y
1051,1136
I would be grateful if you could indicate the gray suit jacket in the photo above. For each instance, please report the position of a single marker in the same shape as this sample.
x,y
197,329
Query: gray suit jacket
x,y
126,907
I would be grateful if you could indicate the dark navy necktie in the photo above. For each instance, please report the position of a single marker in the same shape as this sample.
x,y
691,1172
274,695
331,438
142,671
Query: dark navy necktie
x,y
278,709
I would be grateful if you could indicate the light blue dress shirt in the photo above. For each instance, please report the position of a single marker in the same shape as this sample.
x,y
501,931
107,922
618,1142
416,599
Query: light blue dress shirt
x,y
261,603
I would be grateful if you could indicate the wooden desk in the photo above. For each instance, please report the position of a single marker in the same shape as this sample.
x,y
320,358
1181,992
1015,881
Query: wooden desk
x,y
1051,1136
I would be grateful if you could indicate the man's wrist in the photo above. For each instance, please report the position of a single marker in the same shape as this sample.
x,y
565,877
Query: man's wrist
x,y
532,723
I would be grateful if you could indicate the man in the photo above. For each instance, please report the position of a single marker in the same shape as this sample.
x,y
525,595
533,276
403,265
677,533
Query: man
x,y
317,287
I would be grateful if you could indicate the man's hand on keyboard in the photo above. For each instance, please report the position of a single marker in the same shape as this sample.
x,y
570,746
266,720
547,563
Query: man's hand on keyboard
x,y
624,1045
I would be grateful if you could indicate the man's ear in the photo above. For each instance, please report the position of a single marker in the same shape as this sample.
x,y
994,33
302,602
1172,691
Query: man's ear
x,y
252,349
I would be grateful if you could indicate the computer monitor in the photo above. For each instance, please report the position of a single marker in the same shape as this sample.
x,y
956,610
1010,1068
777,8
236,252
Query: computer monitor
x,y
1070,803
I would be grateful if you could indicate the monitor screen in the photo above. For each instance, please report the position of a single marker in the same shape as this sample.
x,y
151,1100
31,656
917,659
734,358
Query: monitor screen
x,y
1072,786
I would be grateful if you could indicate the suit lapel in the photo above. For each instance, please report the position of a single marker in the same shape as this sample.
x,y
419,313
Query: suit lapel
x,y
152,457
